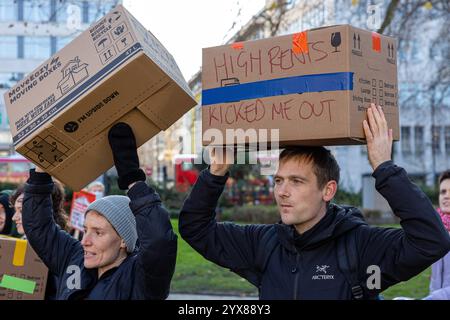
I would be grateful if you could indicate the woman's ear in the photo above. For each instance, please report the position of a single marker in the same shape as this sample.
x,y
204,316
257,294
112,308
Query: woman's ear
x,y
329,191
123,244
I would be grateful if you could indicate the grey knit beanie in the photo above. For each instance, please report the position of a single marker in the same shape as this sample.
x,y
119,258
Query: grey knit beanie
x,y
116,209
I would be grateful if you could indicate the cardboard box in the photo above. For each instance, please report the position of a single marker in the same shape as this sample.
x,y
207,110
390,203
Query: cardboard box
x,y
115,71
314,86
23,276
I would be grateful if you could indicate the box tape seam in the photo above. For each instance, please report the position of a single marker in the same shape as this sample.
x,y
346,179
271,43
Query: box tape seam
x,y
19,253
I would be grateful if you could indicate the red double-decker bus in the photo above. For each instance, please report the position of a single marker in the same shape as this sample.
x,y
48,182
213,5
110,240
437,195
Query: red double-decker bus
x,y
185,173
14,169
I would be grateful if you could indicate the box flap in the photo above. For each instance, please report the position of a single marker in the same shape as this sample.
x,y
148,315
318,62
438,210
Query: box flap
x,y
95,157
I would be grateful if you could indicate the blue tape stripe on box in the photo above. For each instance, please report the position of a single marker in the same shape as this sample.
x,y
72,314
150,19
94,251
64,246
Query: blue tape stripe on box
x,y
268,88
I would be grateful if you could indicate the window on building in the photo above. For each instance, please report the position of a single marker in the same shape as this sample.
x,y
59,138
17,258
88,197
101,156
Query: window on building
x,y
85,12
97,10
52,45
4,123
8,47
395,150
7,80
4,82
447,139
92,11
418,141
20,54
406,140
436,138
363,150
36,10
61,42
60,14
37,47
8,10
257,34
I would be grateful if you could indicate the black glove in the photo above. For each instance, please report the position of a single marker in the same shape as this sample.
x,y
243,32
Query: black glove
x,y
123,145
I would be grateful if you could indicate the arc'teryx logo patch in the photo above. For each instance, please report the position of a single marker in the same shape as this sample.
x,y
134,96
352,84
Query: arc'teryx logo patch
x,y
324,276
322,268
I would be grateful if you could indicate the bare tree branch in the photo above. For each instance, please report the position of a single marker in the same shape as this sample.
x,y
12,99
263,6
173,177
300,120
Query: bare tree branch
x,y
390,13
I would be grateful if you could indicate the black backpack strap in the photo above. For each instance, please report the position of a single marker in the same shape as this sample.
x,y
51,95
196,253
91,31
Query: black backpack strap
x,y
347,257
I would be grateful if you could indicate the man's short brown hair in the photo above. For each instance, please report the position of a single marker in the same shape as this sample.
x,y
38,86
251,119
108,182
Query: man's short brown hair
x,y
325,165
444,176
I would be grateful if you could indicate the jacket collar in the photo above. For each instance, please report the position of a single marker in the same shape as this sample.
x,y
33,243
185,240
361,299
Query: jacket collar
x,y
90,279
337,221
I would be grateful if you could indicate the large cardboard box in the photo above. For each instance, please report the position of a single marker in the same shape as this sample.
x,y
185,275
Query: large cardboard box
x,y
115,71
314,86
23,276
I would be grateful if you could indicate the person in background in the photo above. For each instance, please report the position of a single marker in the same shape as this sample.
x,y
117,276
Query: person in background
x,y
440,270
59,216
97,188
6,214
16,200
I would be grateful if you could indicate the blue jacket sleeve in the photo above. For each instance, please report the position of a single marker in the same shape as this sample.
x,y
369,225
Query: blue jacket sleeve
x,y
157,242
440,294
54,246
226,244
422,240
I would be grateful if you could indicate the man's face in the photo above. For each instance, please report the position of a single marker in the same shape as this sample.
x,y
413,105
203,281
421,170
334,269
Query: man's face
x,y
17,217
300,201
2,217
102,244
98,190
444,196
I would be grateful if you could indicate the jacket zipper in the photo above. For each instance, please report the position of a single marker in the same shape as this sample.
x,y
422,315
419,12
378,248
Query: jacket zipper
x,y
297,274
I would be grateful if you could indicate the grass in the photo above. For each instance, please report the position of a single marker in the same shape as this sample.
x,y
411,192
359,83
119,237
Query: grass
x,y
417,287
194,274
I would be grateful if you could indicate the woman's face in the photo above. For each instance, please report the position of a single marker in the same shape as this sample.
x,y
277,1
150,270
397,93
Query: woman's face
x,y
444,196
2,217
17,217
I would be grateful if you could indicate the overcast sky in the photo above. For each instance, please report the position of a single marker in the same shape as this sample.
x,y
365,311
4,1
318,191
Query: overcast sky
x,y
184,27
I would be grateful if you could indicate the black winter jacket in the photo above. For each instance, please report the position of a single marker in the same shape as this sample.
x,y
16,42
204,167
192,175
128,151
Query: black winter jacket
x,y
144,274
285,265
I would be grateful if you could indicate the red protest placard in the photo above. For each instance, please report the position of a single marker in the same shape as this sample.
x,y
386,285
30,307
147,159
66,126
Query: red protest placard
x,y
80,201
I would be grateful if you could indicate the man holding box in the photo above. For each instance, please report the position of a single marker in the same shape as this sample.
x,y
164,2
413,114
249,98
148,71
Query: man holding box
x,y
107,264
320,250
